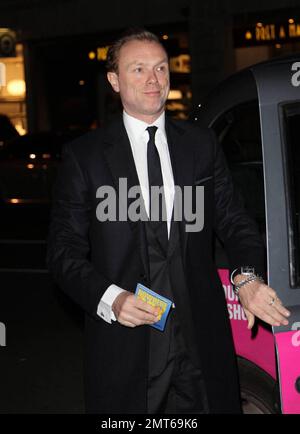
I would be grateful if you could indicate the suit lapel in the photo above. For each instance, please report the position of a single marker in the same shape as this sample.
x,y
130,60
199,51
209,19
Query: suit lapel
x,y
182,160
120,160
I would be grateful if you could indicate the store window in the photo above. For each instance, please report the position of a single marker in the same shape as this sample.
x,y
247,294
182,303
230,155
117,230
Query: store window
x,y
179,102
13,120
263,35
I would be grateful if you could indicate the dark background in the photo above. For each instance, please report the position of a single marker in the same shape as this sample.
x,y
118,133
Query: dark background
x,y
41,364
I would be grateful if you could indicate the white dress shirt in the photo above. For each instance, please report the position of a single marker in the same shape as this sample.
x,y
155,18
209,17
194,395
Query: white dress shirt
x,y
138,138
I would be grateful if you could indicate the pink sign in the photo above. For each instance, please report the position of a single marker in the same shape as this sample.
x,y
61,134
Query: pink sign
x,y
258,347
288,352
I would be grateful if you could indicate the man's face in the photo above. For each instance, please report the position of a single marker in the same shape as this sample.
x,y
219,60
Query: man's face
x,y
142,79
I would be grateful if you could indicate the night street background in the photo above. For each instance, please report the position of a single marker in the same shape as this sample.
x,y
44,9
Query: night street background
x,y
53,89
41,365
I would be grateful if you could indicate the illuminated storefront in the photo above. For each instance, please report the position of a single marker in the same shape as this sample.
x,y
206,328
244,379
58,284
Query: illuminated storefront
x,y
265,35
12,82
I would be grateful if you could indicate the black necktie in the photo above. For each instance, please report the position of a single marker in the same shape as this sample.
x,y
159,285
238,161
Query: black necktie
x,y
157,208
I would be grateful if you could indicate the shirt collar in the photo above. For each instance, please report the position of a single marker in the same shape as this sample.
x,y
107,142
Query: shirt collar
x,y
135,127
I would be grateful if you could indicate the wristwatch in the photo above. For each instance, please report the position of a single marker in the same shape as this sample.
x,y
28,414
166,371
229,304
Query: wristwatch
x,y
246,270
249,276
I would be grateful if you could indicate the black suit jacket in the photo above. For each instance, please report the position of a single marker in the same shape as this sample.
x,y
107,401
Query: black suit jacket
x,y
85,256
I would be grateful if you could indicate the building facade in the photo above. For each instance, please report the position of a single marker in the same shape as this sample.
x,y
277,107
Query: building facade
x,y
63,46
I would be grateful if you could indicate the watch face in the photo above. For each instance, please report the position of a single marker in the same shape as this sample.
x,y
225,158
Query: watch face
x,y
246,269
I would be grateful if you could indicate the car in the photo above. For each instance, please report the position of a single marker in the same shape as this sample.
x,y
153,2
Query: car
x,y
28,166
255,114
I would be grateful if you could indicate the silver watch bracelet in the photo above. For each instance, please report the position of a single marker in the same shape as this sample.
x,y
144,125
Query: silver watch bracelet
x,y
251,278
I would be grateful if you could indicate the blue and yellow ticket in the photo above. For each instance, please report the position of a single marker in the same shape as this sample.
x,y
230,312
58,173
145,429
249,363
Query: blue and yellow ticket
x,y
154,299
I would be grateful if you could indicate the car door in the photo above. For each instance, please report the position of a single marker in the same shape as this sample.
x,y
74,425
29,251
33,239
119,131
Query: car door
x,y
255,115
279,105
232,111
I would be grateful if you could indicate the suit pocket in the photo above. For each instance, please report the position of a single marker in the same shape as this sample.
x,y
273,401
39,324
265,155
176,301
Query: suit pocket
x,y
202,180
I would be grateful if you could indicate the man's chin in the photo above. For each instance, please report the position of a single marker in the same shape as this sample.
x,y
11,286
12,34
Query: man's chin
x,y
154,110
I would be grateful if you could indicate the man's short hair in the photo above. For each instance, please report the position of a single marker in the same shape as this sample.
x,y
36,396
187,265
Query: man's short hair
x,y
133,34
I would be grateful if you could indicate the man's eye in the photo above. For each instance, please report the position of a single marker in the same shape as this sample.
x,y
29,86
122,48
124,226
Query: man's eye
x,y
138,69
161,68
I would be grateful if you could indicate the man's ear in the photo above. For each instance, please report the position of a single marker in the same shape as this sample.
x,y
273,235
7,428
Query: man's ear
x,y
113,78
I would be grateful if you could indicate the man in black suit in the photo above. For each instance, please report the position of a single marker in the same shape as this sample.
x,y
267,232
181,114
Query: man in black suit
x,y
98,256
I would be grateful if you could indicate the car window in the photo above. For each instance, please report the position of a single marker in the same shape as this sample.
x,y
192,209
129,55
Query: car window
x,y
291,134
239,134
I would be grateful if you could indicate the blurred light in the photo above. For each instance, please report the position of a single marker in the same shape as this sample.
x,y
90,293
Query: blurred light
x,y
102,53
32,156
92,55
20,129
16,87
277,45
14,200
2,74
30,166
165,37
44,166
248,35
46,156
181,63
259,24
81,82
175,94
291,21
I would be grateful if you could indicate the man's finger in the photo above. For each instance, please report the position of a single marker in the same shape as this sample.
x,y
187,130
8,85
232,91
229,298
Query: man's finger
x,y
277,316
250,318
130,320
268,317
277,310
146,307
126,323
136,316
145,317
281,309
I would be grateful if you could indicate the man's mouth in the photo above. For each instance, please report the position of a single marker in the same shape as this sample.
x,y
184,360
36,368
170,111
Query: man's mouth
x,y
152,93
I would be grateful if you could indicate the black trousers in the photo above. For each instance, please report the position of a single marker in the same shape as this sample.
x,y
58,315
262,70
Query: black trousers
x,y
176,387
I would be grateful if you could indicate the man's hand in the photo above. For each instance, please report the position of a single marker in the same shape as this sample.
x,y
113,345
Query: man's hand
x,y
131,311
260,300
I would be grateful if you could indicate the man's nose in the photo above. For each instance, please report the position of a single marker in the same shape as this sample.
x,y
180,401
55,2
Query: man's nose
x,y
152,78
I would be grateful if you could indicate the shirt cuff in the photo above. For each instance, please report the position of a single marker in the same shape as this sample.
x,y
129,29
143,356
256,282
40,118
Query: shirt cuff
x,y
104,309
